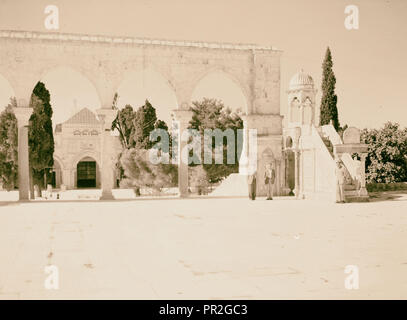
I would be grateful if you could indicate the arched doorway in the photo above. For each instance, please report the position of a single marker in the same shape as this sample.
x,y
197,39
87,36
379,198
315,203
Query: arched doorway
x,y
87,173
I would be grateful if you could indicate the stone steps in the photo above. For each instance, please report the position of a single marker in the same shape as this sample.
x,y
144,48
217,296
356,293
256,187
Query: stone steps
x,y
328,145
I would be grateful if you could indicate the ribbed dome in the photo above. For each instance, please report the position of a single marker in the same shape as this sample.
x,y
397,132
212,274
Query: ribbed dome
x,y
301,80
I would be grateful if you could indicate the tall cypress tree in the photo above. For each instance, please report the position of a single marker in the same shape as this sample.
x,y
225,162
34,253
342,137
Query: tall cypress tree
x,y
144,121
8,147
329,111
40,135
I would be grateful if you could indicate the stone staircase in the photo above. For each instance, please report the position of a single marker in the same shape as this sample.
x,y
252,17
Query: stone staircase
x,y
328,145
235,185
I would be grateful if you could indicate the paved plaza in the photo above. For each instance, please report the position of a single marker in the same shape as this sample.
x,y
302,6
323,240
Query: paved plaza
x,y
204,249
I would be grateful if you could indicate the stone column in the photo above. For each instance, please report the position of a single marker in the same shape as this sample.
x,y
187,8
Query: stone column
x,y
297,172
106,116
182,117
301,175
363,191
277,185
248,162
23,115
66,178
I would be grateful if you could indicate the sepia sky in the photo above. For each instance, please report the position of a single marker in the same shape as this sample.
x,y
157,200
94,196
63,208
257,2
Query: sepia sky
x,y
369,63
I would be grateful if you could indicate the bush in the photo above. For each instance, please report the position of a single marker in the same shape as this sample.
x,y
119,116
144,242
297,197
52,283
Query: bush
x,y
377,187
387,154
140,172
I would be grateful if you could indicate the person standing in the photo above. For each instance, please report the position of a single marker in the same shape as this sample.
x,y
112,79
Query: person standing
x,y
341,177
269,179
251,181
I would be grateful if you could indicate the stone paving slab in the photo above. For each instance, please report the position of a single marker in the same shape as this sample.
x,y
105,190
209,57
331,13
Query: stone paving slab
x,y
204,249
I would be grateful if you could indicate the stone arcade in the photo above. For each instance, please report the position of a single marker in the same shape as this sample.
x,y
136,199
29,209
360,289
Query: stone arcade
x,y
86,150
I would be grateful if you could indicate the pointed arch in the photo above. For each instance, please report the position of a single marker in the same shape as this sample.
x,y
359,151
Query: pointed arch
x,y
148,83
222,84
70,91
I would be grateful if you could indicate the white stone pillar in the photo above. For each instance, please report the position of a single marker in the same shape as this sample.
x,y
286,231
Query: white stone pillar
x,y
66,178
106,116
301,175
182,117
23,116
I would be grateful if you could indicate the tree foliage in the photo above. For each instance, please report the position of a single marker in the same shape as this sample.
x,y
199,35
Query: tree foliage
x,y
134,127
329,110
387,153
9,147
124,125
40,134
212,114
140,172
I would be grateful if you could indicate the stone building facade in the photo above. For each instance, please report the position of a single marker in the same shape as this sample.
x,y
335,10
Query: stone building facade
x,y
79,143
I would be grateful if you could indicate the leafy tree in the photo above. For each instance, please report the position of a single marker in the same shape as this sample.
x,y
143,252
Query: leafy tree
x,y
134,129
40,135
140,172
9,147
125,126
387,153
212,114
145,120
329,110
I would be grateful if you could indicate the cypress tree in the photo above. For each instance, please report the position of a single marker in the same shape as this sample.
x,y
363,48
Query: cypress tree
x,y
329,110
40,135
8,147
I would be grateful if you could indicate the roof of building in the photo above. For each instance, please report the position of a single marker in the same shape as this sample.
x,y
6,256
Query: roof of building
x,y
85,116
301,80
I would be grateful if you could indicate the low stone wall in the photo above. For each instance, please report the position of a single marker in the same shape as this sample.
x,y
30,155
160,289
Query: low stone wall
x,y
372,187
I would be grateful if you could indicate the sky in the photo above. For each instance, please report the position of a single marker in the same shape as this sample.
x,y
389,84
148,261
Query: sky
x,y
369,63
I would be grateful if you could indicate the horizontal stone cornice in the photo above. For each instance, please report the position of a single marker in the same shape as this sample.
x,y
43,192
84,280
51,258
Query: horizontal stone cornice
x,y
14,34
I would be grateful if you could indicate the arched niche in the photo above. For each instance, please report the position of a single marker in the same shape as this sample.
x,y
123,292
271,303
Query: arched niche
x,y
295,112
288,142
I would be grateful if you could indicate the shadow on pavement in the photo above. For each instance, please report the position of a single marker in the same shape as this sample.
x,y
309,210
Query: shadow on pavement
x,y
400,195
